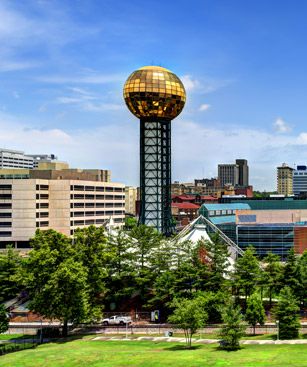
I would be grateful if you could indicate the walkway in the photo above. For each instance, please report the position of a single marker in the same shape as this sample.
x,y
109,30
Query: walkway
x,y
198,341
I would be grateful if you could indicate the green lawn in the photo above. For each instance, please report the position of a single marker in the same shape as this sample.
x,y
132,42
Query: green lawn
x,y
81,353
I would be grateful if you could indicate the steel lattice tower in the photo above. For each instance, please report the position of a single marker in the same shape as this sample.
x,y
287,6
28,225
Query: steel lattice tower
x,y
156,96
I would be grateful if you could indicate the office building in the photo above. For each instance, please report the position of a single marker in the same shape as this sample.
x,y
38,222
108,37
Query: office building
x,y
131,196
285,180
243,179
300,180
228,174
62,200
18,159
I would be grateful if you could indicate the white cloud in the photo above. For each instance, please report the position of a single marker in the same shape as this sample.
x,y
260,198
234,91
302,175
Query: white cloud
x,y
90,78
189,82
281,126
196,149
204,107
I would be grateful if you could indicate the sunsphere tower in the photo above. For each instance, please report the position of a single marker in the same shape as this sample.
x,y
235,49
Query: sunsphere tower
x,y
156,96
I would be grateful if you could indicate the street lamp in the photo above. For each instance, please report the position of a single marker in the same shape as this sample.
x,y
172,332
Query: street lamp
x,y
277,324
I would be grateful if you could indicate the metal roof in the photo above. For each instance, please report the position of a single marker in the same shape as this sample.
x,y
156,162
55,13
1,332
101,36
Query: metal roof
x,y
230,206
223,219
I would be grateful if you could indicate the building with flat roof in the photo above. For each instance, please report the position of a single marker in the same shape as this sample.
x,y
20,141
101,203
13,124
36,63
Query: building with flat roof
x,y
300,180
18,159
59,199
228,174
285,180
131,196
243,179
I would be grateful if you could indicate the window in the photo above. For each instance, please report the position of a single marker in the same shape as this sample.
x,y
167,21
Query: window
x,y
5,224
5,187
5,196
5,215
5,206
5,234
217,212
211,213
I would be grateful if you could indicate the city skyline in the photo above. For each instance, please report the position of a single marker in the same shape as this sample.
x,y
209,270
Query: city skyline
x,y
63,65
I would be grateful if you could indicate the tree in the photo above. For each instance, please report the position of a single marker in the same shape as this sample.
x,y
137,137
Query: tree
x,y
246,273
302,278
233,327
272,275
56,279
217,263
255,313
188,315
90,245
286,312
10,263
130,222
4,319
291,276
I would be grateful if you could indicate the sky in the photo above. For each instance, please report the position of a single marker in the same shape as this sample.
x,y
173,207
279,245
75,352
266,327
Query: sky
x,y
63,65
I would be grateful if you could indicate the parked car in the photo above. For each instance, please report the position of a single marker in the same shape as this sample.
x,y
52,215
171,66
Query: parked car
x,y
117,320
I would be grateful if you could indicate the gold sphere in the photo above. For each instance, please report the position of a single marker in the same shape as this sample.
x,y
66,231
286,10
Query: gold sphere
x,y
153,91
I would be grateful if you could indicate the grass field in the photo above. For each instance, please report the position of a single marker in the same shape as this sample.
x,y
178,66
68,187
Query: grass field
x,y
84,352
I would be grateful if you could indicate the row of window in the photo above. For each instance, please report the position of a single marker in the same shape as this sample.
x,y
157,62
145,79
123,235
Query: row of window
x,y
96,197
42,196
5,196
97,213
92,221
5,187
42,205
42,224
5,205
6,224
42,215
42,187
96,188
5,234
5,215
97,205
213,213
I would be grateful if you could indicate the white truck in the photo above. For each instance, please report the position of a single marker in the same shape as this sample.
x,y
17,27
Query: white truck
x,y
117,320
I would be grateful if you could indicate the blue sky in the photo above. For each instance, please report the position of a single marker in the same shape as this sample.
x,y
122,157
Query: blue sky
x,y
63,65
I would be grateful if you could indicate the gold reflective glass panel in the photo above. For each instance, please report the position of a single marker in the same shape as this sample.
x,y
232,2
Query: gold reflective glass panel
x,y
153,91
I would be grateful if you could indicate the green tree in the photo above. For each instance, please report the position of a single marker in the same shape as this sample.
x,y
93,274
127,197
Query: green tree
x,y
247,272
286,312
272,275
56,279
291,276
188,315
4,320
233,327
217,264
255,313
130,222
302,278
90,245
10,263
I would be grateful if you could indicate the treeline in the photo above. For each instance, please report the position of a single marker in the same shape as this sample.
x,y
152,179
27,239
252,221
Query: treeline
x,y
76,279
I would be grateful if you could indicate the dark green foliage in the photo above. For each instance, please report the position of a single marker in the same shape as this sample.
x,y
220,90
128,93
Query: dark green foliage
x,y
302,278
90,245
10,263
56,279
255,313
272,275
291,276
130,222
188,315
4,319
233,328
286,312
247,273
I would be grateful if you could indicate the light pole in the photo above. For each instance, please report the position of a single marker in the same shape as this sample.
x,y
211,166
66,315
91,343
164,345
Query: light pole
x,y
277,324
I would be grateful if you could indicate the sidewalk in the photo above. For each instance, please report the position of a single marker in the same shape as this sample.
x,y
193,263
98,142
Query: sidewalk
x,y
198,341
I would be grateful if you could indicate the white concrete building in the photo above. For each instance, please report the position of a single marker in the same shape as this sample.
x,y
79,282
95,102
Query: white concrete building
x,y
60,204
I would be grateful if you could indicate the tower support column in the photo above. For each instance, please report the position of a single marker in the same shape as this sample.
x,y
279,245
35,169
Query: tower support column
x,y
155,174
